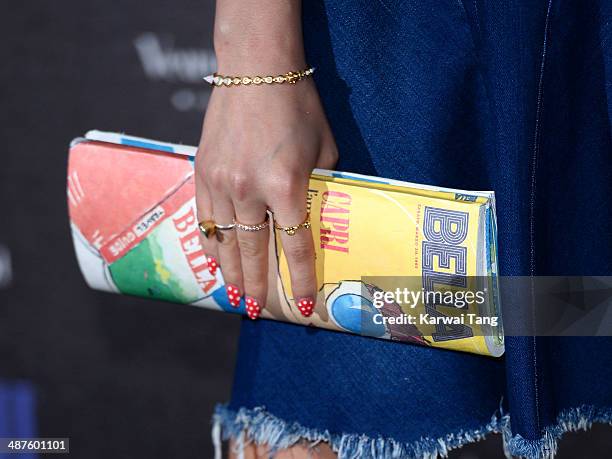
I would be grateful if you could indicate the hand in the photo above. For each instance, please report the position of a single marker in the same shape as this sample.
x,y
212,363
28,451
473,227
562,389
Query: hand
x,y
259,145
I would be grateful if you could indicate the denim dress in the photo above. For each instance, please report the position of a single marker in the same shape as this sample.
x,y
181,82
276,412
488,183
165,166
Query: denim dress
x,y
513,96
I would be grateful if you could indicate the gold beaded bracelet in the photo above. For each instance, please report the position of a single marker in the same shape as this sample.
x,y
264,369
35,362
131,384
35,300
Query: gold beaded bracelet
x,y
289,77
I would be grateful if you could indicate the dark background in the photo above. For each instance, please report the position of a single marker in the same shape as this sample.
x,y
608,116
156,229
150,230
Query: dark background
x,y
122,377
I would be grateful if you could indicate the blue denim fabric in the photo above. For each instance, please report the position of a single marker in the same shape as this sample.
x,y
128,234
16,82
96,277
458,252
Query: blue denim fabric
x,y
17,414
512,96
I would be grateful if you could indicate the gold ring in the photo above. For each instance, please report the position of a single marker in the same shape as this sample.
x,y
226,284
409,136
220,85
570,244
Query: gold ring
x,y
290,230
257,227
208,228
224,227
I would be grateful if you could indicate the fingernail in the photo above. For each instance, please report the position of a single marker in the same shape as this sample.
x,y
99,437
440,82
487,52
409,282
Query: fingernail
x,y
212,265
252,307
233,295
306,306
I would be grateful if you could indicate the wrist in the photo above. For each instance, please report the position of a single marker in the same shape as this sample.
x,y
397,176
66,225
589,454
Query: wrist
x,y
268,40
251,62
258,55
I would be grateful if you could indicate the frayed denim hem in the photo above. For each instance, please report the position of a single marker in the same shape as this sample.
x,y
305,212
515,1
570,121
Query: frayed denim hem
x,y
260,427
571,420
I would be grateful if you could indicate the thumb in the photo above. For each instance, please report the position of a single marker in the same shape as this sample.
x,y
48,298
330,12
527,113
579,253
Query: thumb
x,y
328,157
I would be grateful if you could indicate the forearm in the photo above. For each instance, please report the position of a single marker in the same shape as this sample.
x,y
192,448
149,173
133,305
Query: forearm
x,y
258,36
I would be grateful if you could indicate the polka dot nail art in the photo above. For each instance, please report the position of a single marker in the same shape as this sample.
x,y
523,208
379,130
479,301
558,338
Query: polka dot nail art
x,y
233,295
212,265
252,307
306,306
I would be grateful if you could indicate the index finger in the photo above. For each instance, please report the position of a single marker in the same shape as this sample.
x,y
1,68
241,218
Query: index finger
x,y
298,245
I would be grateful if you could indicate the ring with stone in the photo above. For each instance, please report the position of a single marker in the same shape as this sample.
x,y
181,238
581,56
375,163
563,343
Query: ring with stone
x,y
208,228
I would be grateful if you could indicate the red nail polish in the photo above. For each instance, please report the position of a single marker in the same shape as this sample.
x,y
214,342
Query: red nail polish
x,y
212,265
252,307
233,295
306,306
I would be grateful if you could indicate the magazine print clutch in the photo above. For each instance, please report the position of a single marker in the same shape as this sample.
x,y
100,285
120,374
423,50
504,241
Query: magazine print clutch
x,y
135,230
